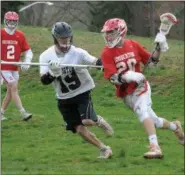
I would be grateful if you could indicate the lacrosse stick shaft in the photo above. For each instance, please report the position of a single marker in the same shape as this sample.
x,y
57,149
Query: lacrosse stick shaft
x,y
34,3
167,21
46,64
157,47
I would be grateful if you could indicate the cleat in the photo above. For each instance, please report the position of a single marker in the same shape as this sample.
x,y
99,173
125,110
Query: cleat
x,y
105,153
3,117
179,132
26,116
105,125
154,152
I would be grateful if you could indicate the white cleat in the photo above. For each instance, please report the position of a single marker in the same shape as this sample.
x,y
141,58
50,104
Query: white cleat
x,y
105,125
179,132
105,153
154,152
3,117
26,116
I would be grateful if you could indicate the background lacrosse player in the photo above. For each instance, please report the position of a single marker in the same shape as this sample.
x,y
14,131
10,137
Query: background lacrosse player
x,y
13,43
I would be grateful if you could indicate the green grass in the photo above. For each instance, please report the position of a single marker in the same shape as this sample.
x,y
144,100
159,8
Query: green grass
x,y
42,146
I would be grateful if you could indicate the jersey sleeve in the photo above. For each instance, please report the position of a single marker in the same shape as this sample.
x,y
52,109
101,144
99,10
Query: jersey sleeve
x,y
43,69
87,58
144,54
24,44
108,65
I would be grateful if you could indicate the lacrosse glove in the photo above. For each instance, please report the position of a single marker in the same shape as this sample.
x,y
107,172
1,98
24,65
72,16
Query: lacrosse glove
x,y
161,39
24,68
54,68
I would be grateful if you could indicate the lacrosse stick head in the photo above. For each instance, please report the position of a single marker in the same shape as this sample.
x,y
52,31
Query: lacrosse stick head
x,y
167,21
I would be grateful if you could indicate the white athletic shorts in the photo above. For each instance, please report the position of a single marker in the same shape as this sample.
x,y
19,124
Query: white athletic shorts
x,y
10,76
141,105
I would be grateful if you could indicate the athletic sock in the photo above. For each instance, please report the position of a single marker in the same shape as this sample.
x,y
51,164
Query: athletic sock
x,y
153,139
172,126
2,111
22,110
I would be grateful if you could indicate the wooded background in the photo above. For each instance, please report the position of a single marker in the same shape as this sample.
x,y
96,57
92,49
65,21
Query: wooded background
x,y
142,17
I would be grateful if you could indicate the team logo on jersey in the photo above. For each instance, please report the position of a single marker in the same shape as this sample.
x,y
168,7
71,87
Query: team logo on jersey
x,y
124,56
66,71
9,42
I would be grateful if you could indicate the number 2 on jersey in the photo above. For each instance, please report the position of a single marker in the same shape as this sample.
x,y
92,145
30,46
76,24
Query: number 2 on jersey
x,y
122,66
10,52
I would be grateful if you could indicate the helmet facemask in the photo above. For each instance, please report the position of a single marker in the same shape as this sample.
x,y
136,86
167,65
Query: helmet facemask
x,y
11,20
112,38
63,36
11,24
114,31
63,43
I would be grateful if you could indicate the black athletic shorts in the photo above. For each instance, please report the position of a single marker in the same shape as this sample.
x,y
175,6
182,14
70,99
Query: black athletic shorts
x,y
75,109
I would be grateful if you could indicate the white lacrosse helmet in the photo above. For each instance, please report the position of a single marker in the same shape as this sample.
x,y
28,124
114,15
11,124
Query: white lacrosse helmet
x,y
114,30
11,20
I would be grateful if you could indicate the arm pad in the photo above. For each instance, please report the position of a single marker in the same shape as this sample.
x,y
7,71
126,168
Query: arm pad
x,y
28,56
47,78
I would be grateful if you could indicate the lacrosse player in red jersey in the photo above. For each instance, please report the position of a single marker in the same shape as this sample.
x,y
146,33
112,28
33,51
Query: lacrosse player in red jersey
x,y
13,43
121,60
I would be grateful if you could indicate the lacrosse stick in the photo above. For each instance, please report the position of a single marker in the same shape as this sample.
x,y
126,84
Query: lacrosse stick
x,y
46,64
167,21
34,3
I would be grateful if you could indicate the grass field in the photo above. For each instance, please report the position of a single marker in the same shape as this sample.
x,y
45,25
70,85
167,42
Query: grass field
x,y
42,146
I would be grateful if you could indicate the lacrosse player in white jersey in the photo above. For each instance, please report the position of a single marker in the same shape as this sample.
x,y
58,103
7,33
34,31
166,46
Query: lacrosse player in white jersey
x,y
73,86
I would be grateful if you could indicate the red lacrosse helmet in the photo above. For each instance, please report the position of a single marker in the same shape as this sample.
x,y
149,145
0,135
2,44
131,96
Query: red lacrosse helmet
x,y
11,19
114,31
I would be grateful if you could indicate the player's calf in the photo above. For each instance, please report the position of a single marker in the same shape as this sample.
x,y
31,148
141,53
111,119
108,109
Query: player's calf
x,y
179,132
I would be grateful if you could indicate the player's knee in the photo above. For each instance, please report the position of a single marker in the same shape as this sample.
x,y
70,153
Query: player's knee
x,y
79,129
159,122
83,131
142,114
12,86
143,117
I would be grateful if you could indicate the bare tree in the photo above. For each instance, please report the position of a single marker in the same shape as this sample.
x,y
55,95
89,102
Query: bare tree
x,y
69,11
144,20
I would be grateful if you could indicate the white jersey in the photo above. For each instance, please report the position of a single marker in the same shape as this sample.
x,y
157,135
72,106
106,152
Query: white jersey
x,y
73,81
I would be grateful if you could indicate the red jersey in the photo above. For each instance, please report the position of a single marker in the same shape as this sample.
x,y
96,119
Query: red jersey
x,y
128,57
11,48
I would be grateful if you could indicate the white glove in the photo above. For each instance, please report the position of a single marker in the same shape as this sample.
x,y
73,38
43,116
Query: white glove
x,y
54,68
131,76
24,68
114,79
161,39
